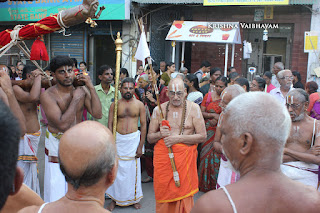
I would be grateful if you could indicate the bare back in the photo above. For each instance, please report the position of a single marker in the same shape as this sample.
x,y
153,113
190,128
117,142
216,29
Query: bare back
x,y
31,114
273,193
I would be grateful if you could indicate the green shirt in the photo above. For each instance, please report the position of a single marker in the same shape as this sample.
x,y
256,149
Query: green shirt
x,y
106,101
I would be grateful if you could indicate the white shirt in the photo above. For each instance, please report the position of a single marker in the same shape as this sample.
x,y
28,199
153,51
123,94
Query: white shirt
x,y
278,95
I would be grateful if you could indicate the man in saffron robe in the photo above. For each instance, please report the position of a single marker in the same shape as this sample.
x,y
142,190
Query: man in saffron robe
x,y
186,131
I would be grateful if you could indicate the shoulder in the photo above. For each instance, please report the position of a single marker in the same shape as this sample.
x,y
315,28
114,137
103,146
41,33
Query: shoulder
x,y
30,209
212,201
192,106
48,93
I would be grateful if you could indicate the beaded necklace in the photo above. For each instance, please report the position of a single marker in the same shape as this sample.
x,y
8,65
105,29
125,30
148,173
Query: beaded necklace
x,y
183,118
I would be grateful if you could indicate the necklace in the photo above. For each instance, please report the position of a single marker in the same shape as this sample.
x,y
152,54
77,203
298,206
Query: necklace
x,y
183,118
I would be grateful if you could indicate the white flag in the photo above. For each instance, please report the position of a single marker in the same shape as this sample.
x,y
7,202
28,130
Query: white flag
x,y
143,51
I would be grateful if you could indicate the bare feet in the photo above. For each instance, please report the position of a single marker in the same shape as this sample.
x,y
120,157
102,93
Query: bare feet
x,y
111,206
137,206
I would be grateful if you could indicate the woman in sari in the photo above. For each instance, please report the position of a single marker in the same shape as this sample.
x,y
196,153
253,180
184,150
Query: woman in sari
x,y
314,97
209,159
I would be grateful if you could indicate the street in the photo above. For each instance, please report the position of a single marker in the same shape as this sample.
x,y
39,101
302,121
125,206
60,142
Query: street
x,y
148,202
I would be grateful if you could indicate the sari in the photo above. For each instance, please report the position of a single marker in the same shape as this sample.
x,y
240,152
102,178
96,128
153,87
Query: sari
x,y
209,159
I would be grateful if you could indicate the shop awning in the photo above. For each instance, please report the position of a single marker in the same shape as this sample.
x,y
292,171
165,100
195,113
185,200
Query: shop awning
x,y
215,32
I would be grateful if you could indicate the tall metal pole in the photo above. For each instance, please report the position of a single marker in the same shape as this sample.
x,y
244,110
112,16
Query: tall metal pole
x,y
226,60
118,42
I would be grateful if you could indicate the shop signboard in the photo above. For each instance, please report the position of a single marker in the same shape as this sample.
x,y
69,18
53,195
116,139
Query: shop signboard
x,y
216,32
38,9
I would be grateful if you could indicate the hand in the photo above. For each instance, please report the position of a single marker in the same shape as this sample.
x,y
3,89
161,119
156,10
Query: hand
x,y
213,122
5,82
164,131
315,150
150,97
139,152
36,73
78,93
86,79
90,8
171,140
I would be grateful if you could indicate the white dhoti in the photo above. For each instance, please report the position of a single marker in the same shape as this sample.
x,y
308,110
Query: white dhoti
x,y
226,175
55,185
27,160
302,172
126,189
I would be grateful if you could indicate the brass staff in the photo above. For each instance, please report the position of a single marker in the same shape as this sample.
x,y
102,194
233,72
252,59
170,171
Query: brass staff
x,y
118,42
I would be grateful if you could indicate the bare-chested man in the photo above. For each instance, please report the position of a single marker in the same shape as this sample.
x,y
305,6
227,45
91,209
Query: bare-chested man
x,y
8,97
63,105
301,157
87,155
253,139
28,101
187,130
226,175
126,190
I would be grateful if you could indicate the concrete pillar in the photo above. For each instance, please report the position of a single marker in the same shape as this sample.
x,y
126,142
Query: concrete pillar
x,y
315,26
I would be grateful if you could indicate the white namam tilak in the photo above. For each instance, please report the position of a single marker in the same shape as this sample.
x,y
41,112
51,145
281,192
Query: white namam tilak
x,y
173,89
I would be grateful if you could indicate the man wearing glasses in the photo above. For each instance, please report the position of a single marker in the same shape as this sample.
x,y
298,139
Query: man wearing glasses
x,y
187,130
285,79
301,156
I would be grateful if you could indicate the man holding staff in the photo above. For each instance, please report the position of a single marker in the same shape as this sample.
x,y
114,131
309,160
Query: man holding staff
x,y
63,105
187,130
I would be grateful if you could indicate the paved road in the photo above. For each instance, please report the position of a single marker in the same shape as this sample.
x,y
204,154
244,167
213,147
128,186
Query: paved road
x,y
148,201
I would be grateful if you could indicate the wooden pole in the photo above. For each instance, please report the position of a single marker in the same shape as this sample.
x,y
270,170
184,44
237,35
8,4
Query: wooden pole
x,y
118,42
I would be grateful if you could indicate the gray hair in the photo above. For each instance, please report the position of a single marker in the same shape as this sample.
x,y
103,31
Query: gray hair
x,y
280,74
234,90
101,165
251,112
183,69
300,94
280,65
181,75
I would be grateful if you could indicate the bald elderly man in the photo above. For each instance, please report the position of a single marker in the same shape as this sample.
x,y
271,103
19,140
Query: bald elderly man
x,y
187,130
87,156
255,150
226,175
301,156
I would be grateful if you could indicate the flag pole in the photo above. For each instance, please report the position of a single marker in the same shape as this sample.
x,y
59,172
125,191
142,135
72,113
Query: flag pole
x,y
154,84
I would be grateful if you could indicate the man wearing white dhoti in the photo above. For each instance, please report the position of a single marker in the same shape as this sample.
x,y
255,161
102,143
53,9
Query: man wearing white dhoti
x,y
28,99
126,190
27,160
301,156
63,105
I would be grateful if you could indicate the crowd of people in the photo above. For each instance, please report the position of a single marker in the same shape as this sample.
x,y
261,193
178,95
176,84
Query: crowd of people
x,y
189,132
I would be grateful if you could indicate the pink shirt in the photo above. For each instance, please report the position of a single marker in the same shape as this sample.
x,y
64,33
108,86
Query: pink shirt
x,y
270,87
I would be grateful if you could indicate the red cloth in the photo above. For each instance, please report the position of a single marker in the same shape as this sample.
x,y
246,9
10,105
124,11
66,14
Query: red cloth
x,y
32,30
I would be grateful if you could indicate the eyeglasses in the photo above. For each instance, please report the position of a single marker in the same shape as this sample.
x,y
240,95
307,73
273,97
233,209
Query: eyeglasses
x,y
293,106
178,93
288,77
